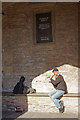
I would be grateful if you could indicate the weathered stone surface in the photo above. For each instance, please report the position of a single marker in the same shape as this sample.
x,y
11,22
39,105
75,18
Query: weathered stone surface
x,y
13,101
23,55
45,104
41,103
70,74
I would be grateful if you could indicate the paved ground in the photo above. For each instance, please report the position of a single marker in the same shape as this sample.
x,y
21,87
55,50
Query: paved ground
x,y
11,114
15,115
47,115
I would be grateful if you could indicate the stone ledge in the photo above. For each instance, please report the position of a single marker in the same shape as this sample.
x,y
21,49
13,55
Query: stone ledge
x,y
12,94
46,95
39,94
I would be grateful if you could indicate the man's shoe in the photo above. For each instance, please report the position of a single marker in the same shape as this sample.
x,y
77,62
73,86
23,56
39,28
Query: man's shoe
x,y
61,110
61,103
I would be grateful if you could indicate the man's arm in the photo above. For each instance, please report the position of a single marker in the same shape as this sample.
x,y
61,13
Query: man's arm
x,y
57,81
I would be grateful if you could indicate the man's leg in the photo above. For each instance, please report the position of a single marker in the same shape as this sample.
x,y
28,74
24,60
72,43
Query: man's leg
x,y
52,93
56,100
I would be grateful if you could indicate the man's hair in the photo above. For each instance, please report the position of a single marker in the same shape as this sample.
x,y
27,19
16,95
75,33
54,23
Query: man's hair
x,y
55,69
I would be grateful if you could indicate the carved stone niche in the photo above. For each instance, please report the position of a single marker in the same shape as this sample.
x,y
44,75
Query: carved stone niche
x,y
43,22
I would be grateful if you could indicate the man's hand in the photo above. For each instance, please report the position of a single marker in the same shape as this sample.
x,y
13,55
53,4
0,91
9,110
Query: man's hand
x,y
49,81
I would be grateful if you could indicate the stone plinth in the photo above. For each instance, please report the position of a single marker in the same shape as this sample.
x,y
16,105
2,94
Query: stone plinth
x,y
38,102
42,103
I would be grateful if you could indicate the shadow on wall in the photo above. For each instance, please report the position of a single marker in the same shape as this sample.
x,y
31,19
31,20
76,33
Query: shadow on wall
x,y
16,103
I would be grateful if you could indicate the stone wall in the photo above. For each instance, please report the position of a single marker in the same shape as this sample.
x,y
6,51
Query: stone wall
x,y
11,102
40,103
22,56
79,30
45,104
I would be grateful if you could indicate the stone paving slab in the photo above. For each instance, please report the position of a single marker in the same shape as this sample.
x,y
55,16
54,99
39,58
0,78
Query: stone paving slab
x,y
11,114
25,114
47,115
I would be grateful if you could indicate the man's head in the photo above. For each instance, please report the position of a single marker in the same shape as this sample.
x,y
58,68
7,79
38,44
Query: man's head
x,y
55,71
